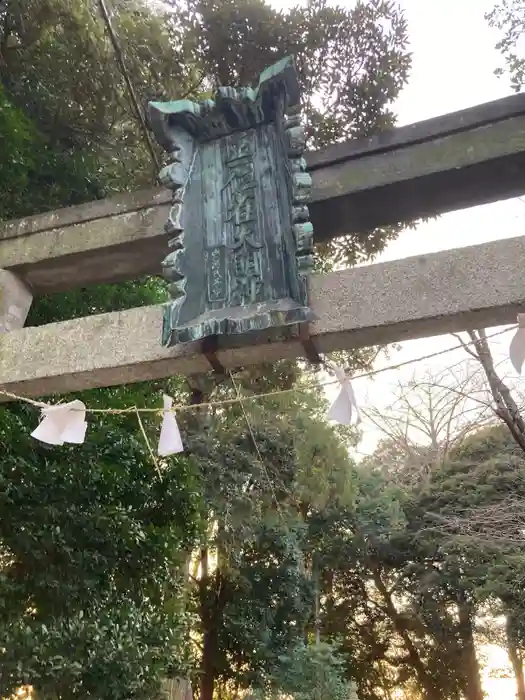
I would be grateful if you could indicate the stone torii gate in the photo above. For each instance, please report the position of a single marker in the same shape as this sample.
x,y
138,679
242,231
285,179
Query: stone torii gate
x,y
450,162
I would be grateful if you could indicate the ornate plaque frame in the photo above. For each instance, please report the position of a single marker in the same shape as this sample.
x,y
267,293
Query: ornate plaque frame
x,y
241,236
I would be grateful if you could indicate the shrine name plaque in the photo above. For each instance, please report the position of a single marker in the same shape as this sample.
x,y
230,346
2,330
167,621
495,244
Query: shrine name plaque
x,y
241,237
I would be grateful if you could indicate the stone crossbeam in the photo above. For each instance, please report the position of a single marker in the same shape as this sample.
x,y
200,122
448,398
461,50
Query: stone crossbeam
x,y
451,291
450,162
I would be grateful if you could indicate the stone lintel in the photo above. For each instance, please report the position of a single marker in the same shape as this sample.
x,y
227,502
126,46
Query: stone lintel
x,y
450,291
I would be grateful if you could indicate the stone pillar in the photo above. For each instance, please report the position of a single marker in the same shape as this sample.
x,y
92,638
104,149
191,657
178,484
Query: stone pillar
x,y
15,301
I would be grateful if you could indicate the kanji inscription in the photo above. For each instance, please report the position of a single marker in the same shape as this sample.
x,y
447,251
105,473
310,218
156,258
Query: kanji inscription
x,y
246,243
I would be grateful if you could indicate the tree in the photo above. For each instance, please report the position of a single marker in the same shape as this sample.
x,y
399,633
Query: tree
x,y
309,673
59,66
34,175
429,600
234,42
90,540
253,592
367,559
431,415
508,16
471,507
461,514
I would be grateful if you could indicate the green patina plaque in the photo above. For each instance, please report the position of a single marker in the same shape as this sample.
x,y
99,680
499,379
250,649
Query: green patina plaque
x,y
242,240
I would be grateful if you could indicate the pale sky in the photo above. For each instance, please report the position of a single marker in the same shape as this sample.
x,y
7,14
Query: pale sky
x,y
453,68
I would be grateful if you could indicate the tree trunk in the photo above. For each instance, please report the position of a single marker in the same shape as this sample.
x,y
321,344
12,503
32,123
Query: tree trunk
x,y
424,678
207,682
207,685
209,596
516,659
506,407
317,599
472,679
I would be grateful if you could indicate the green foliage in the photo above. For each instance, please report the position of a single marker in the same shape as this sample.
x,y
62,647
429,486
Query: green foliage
x,y
508,16
97,300
485,487
421,559
269,605
59,67
92,654
352,61
94,541
34,175
312,672
256,601
91,540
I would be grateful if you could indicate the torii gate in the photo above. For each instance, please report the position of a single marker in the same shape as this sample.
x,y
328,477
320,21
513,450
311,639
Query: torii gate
x,y
454,161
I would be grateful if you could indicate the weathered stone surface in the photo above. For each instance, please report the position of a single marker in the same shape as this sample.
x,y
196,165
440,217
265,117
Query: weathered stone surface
x,y
83,213
440,174
15,301
109,249
478,286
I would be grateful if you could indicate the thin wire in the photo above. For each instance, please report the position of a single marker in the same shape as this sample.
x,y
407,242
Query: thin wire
x,y
431,355
190,171
124,72
148,445
31,402
254,397
240,399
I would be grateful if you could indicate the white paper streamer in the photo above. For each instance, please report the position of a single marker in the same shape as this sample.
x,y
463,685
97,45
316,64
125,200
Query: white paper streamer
x,y
517,345
62,423
170,441
342,409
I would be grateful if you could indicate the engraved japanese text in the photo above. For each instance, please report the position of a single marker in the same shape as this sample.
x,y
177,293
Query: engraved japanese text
x,y
241,220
